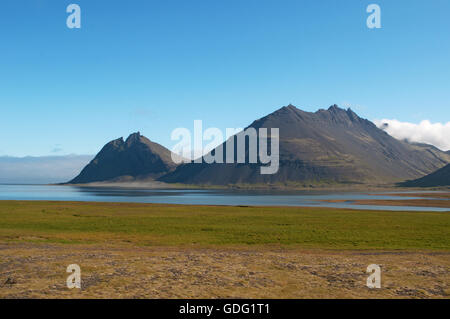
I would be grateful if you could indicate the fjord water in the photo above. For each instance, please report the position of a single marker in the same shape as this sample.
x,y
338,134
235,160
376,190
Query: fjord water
x,y
201,197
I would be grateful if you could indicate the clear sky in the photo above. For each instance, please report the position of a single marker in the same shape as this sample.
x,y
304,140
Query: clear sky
x,y
153,66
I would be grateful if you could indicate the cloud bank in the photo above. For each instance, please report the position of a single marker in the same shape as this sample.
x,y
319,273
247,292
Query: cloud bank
x,y
437,134
41,170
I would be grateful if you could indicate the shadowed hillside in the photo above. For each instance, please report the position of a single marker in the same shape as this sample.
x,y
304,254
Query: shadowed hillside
x,y
439,178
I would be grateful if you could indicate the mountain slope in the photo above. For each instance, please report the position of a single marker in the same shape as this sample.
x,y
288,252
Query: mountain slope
x,y
441,177
135,157
333,145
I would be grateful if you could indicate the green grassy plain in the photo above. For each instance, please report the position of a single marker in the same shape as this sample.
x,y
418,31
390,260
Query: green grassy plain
x,y
220,226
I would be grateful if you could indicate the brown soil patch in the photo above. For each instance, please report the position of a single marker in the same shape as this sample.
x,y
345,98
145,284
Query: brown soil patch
x,y
39,271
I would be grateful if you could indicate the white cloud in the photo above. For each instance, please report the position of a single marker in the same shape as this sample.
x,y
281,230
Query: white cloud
x,y
437,134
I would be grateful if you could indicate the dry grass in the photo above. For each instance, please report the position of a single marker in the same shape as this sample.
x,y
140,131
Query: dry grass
x,y
38,271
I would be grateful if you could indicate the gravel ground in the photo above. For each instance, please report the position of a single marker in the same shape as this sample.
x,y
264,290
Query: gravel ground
x,y
39,271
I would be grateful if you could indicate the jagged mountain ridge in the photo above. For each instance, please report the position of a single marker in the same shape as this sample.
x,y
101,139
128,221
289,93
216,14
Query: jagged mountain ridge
x,y
333,145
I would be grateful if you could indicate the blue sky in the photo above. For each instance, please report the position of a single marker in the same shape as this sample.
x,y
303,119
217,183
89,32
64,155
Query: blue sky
x,y
154,66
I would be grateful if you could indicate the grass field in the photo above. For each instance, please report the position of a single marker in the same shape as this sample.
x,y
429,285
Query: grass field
x,y
444,203
206,226
168,251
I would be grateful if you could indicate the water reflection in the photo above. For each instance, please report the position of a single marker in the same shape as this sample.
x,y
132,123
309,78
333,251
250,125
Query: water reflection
x,y
202,197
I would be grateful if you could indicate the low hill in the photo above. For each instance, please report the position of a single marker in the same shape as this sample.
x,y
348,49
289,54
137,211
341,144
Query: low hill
x,y
439,178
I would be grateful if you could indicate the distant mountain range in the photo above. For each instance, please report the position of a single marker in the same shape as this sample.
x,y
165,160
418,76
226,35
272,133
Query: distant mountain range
x,y
327,146
441,177
41,170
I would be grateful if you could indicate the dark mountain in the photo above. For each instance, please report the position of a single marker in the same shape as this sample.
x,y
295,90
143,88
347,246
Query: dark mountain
x,y
441,177
135,157
330,146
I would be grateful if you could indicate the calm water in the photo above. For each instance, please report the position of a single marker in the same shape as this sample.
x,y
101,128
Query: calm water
x,y
198,197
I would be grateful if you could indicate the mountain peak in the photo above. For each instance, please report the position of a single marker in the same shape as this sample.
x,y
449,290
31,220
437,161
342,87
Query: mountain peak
x,y
135,158
135,137
116,143
289,107
335,107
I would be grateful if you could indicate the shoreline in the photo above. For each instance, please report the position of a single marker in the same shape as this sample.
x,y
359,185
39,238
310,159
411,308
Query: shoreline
x,y
381,205
255,187
155,185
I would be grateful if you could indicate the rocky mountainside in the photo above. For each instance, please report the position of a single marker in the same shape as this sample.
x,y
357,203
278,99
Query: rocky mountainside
x,y
332,146
137,157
